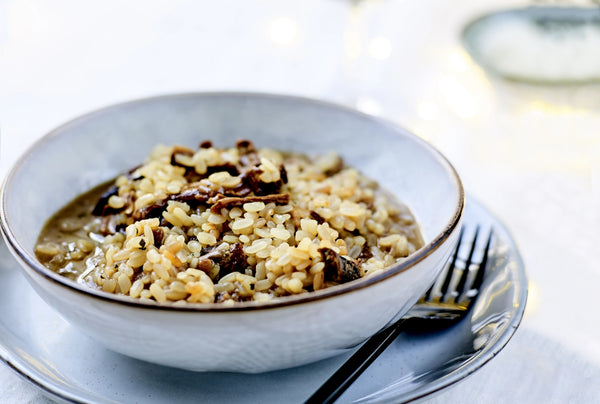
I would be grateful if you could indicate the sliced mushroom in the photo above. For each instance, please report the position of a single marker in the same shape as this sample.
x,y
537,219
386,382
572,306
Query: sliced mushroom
x,y
231,202
365,253
248,155
154,210
230,168
314,215
180,150
339,268
102,208
194,193
229,260
158,235
233,261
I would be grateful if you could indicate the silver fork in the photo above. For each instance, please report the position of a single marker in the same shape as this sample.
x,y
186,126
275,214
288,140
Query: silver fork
x,y
445,303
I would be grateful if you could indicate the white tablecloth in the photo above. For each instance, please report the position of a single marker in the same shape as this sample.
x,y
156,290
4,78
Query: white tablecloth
x,y
530,153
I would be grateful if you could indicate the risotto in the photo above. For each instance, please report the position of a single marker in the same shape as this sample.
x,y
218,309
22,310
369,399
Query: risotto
x,y
224,225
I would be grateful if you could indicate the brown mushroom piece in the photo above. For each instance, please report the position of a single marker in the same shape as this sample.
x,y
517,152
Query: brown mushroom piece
x,y
339,268
180,150
231,260
158,235
102,208
365,253
249,182
314,215
230,168
194,193
232,202
247,151
267,188
154,210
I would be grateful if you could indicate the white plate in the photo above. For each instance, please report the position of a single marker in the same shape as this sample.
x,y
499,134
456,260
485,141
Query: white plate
x,y
68,366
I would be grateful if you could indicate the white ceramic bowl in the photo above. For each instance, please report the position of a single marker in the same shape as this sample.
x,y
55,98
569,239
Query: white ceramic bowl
x,y
248,337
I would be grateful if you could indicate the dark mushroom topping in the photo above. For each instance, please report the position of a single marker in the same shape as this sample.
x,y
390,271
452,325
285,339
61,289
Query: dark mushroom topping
x,y
180,150
154,210
365,253
231,260
102,208
314,215
339,268
248,155
204,264
245,146
230,168
251,183
159,235
194,193
283,174
190,172
201,191
231,202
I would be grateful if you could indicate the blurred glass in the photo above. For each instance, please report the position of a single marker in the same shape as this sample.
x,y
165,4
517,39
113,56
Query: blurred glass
x,y
543,44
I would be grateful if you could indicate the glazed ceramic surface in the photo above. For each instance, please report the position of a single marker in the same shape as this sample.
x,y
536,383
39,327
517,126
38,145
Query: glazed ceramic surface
x,y
248,337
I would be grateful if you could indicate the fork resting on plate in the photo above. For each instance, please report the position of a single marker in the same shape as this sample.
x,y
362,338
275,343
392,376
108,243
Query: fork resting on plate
x,y
437,308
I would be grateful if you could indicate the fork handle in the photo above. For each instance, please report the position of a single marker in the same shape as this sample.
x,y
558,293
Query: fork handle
x,y
355,365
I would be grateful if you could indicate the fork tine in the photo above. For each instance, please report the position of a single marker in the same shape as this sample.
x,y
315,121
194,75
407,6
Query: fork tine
x,y
450,269
465,273
427,296
481,270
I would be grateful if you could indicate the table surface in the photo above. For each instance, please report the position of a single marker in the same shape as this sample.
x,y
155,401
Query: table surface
x,y
529,153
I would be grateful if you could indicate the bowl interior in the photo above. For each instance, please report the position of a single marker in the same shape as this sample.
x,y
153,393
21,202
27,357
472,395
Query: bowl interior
x,y
98,146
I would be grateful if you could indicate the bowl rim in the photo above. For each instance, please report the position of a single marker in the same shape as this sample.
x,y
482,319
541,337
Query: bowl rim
x,y
338,290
